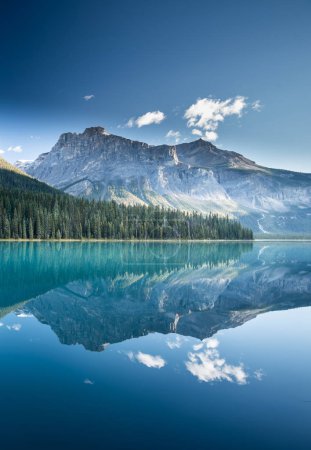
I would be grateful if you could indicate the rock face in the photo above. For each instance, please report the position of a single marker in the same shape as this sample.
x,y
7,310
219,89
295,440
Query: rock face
x,y
23,164
195,176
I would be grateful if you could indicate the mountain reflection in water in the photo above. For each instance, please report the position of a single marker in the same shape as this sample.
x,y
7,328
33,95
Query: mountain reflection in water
x,y
96,294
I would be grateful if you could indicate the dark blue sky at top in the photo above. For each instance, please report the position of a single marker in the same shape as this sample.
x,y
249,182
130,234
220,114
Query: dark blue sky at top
x,y
140,56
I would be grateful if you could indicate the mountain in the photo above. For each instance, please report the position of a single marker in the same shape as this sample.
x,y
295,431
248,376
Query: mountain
x,y
23,164
195,176
32,209
5,165
12,177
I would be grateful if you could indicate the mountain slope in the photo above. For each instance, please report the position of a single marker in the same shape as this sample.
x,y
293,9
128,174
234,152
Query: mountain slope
x,y
12,177
31,209
194,176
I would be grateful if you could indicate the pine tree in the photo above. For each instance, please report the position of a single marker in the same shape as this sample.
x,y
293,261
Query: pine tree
x,y
30,229
6,228
48,215
24,229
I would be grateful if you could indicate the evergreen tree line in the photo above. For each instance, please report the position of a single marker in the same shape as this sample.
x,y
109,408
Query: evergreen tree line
x,y
52,215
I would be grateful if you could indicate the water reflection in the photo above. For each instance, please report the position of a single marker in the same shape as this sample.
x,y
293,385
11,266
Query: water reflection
x,y
205,363
30,269
151,361
161,325
99,294
202,359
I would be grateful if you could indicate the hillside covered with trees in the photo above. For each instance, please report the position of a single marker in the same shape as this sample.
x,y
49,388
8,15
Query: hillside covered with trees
x,y
30,209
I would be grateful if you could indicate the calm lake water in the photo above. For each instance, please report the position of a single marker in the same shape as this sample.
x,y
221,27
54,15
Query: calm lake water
x,y
155,346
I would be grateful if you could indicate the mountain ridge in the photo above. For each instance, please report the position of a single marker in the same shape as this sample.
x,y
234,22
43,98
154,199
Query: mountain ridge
x,y
11,177
195,176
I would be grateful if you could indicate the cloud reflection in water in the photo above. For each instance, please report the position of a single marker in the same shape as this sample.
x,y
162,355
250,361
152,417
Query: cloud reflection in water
x,y
205,363
155,362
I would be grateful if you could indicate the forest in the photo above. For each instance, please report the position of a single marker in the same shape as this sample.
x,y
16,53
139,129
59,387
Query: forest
x,y
33,210
29,215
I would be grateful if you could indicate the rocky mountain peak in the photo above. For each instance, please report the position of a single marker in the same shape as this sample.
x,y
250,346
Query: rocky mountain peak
x,y
87,133
192,176
200,145
204,142
95,131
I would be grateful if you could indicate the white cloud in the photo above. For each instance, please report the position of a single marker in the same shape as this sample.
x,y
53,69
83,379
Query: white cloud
x,y
211,135
130,356
176,342
1,324
130,123
87,381
151,117
257,105
155,362
15,327
12,148
197,347
196,132
88,97
24,315
259,374
211,343
16,149
154,117
206,114
173,135
206,364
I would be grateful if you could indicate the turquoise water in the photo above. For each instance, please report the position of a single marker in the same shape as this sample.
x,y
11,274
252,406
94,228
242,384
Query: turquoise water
x,y
155,346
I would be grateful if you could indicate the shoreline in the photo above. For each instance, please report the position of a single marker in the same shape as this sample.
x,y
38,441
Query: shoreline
x,y
128,240
179,241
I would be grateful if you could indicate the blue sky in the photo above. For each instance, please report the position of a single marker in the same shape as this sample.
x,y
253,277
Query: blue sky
x,y
248,61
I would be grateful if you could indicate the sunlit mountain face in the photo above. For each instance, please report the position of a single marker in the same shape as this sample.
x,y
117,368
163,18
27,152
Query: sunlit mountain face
x,y
194,176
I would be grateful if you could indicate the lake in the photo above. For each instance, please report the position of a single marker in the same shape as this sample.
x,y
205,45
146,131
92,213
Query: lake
x,y
155,345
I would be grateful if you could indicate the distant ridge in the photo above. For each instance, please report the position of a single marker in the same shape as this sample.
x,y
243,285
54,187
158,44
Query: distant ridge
x,y
12,177
5,165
